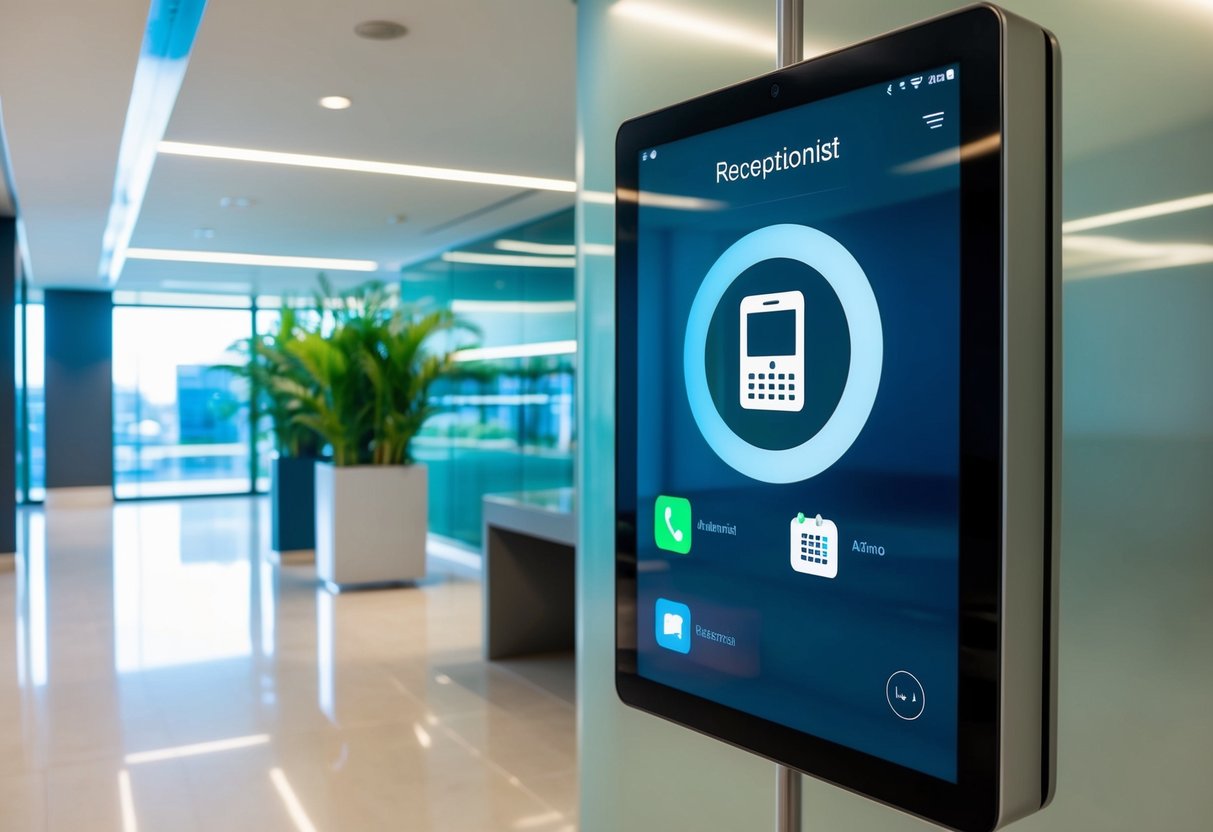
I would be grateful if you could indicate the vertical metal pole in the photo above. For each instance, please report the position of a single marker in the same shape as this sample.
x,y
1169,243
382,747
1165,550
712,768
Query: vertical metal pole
x,y
789,34
787,799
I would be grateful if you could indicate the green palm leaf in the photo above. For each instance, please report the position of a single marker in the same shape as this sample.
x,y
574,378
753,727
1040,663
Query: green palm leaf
x,y
354,376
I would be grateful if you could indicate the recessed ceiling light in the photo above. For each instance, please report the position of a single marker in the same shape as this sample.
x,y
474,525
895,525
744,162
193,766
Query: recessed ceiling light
x,y
236,202
231,258
304,160
335,102
380,30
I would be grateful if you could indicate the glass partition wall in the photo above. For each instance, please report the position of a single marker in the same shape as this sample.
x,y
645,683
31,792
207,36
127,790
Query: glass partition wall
x,y
505,421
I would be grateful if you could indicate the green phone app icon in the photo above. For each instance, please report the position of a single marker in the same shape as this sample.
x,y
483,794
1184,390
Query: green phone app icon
x,y
672,524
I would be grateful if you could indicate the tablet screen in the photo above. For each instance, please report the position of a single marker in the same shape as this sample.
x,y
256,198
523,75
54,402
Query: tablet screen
x,y
797,470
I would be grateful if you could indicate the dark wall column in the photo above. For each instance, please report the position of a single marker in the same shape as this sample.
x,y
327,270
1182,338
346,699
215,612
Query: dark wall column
x,y
8,387
79,389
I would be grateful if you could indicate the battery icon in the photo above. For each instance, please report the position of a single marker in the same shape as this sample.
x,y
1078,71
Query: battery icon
x,y
951,73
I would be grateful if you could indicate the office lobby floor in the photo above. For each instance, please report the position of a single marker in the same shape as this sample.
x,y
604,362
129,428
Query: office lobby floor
x,y
158,672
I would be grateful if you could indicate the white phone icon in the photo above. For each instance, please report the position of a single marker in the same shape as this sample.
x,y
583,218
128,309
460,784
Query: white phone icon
x,y
669,515
772,352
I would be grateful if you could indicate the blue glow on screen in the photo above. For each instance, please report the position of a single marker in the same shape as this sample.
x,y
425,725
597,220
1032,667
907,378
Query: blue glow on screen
x,y
820,590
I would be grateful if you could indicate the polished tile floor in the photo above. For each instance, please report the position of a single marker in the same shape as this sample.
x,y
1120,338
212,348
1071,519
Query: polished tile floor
x,y
159,672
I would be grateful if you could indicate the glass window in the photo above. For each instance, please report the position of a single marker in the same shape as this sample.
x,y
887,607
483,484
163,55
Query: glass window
x,y
181,424
31,402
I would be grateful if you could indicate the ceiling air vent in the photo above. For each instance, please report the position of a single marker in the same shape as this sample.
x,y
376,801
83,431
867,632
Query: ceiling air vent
x,y
380,30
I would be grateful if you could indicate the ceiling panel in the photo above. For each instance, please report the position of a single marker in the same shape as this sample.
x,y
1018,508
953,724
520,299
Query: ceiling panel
x,y
476,84
320,213
65,80
485,84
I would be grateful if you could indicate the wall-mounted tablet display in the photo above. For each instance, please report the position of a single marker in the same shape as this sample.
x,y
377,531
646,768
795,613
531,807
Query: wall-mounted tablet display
x,y
811,409
811,453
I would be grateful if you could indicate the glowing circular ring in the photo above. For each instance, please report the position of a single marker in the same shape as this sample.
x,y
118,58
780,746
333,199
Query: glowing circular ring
x,y
822,252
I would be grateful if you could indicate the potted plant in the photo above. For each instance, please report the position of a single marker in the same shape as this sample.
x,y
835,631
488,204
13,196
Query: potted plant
x,y
277,381
370,369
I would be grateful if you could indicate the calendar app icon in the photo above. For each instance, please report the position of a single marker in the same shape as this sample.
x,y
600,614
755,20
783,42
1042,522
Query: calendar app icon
x,y
814,546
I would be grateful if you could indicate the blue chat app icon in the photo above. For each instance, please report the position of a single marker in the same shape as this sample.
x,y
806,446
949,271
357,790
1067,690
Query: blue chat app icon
x,y
673,626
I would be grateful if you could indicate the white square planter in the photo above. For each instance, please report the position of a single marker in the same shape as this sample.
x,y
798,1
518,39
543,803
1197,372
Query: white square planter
x,y
370,524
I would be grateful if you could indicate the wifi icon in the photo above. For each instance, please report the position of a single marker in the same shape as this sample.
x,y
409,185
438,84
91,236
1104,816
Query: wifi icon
x,y
916,81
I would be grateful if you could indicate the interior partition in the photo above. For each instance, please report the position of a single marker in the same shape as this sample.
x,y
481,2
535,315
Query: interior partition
x,y
8,386
505,423
637,771
79,390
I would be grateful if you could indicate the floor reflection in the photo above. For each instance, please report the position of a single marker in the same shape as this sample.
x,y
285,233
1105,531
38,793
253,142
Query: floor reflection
x,y
166,674
31,601
181,597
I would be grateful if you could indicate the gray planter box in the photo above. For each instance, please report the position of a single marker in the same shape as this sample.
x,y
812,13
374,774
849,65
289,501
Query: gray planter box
x,y
370,525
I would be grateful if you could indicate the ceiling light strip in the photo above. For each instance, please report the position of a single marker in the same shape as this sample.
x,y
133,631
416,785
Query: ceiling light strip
x,y
598,197
305,160
526,247
168,39
1086,257
206,286
478,258
513,307
674,202
232,258
1141,212
539,348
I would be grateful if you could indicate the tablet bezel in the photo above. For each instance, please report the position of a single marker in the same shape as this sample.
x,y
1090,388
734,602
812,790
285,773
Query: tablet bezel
x,y
971,39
